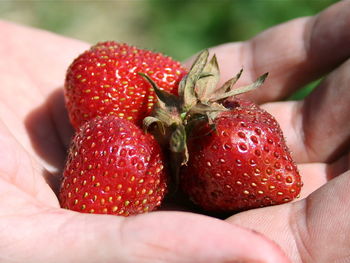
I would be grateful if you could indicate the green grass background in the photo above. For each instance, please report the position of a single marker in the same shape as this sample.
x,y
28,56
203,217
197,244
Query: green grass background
x,y
178,28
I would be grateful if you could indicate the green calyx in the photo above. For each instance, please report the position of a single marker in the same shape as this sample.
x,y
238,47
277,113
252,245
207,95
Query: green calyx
x,y
198,99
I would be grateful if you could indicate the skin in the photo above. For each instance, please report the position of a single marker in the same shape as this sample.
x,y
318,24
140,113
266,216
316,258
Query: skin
x,y
35,133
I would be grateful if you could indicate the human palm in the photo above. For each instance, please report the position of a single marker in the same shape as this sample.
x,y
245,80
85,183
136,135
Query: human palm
x,y
35,133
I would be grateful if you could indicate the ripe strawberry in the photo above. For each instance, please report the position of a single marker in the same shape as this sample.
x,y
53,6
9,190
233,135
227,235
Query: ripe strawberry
x,y
233,153
113,168
104,80
243,164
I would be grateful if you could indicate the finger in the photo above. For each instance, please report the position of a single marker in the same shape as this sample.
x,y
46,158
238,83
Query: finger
x,y
22,170
303,228
191,238
325,117
317,129
38,58
33,64
294,53
156,237
273,222
324,219
313,175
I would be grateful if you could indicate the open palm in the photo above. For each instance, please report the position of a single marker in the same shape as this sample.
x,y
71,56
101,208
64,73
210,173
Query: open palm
x,y
35,132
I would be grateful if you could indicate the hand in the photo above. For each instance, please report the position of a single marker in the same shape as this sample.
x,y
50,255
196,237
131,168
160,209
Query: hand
x,y
317,129
34,134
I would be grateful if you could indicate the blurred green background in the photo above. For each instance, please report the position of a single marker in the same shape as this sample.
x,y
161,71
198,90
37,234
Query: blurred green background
x,y
178,28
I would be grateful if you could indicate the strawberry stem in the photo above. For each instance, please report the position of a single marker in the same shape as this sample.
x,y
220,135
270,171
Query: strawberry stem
x,y
199,99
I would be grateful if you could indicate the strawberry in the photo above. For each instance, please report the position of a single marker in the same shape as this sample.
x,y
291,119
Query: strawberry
x,y
113,168
243,164
104,80
232,153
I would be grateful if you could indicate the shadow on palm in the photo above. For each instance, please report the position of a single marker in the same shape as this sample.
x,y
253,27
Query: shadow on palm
x,y
50,132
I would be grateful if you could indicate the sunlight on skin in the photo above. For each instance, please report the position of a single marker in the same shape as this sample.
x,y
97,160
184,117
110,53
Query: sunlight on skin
x,y
34,66
312,222
35,132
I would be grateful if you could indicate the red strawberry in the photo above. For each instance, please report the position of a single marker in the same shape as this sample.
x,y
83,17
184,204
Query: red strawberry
x,y
113,168
243,164
234,153
104,80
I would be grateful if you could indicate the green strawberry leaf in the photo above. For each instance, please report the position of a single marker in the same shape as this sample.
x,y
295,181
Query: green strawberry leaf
x,y
164,97
206,86
244,89
229,84
178,142
186,88
148,121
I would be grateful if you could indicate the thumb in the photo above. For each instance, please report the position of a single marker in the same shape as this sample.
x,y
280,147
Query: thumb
x,y
169,237
184,237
